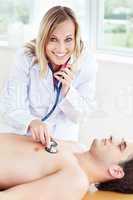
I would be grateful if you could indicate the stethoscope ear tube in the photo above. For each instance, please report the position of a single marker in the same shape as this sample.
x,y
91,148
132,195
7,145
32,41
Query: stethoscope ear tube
x,y
58,89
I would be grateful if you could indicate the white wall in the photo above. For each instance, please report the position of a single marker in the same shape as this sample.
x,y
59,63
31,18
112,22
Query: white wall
x,y
115,103
7,56
114,95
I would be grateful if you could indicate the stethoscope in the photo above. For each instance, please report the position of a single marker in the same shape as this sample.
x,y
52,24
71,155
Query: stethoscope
x,y
57,87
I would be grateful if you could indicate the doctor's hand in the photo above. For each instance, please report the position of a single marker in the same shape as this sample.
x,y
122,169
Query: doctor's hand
x,y
40,132
65,76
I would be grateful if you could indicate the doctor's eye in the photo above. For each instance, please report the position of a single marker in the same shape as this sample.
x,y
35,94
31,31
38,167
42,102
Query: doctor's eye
x,y
69,39
53,39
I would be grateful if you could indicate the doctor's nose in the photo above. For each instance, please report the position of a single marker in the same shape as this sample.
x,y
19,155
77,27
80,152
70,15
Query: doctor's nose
x,y
61,47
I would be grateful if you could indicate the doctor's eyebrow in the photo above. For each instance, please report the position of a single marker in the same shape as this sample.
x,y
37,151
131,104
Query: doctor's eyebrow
x,y
69,35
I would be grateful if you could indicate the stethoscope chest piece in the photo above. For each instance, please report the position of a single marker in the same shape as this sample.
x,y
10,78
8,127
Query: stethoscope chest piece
x,y
53,147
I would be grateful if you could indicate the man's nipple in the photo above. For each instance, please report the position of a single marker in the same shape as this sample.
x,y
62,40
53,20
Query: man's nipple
x,y
38,147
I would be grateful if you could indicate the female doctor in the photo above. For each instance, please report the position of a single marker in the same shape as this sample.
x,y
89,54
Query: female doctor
x,y
53,82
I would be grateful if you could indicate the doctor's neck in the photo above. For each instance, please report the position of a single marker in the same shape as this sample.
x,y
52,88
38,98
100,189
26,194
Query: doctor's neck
x,y
56,67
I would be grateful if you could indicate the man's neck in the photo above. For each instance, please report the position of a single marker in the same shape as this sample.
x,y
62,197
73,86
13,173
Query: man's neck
x,y
95,171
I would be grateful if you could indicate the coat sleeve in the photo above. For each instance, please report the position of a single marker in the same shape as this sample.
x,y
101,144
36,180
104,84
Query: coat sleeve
x,y
80,99
14,104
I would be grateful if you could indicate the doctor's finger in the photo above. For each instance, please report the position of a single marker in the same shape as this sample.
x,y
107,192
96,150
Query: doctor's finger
x,y
33,135
63,80
69,73
63,76
36,131
47,137
42,136
66,79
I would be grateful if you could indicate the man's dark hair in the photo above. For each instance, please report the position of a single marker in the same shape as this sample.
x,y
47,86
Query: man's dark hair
x,y
123,185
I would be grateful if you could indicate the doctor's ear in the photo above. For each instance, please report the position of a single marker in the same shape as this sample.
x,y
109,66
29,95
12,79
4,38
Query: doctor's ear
x,y
116,172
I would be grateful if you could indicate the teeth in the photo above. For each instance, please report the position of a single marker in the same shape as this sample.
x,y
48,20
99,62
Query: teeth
x,y
60,55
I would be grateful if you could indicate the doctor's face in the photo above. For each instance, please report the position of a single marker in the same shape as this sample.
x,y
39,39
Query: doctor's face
x,y
61,43
111,151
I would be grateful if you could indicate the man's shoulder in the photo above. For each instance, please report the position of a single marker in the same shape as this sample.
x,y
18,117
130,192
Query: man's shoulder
x,y
79,179
71,163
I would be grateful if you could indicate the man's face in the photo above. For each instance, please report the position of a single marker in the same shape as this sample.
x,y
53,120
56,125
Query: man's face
x,y
111,151
61,43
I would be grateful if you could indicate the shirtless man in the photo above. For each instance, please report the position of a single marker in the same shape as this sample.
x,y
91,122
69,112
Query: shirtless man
x,y
30,172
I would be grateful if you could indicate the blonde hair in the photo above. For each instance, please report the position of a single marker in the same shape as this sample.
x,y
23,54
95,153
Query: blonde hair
x,y
51,19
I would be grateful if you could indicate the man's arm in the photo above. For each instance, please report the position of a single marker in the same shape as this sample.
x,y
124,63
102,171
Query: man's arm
x,y
68,183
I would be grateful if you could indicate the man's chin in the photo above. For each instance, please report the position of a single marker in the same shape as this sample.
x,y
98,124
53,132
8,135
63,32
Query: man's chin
x,y
93,144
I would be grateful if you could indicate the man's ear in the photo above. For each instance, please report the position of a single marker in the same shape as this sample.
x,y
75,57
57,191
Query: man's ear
x,y
116,171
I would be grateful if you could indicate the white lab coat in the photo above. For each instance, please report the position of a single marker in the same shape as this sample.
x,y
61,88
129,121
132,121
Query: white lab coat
x,y
26,97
